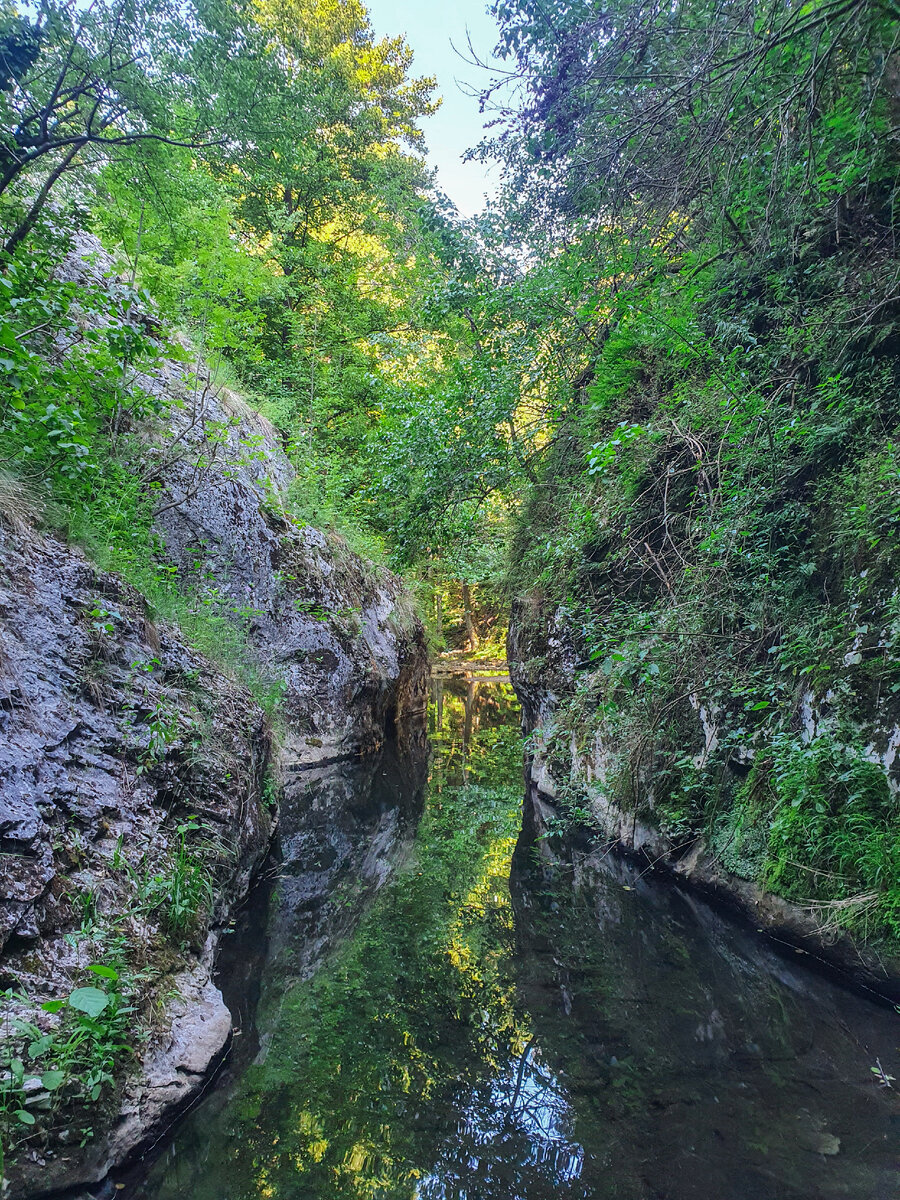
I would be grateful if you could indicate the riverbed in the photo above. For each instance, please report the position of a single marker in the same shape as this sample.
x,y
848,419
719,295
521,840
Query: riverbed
x,y
429,1008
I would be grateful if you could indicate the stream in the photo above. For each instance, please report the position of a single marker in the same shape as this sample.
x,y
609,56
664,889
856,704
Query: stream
x,y
431,1010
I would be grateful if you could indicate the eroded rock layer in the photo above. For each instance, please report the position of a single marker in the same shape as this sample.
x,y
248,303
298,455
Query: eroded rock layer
x,y
129,765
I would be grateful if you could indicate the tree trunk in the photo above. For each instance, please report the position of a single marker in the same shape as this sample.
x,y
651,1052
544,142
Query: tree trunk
x,y
471,722
439,615
25,227
472,639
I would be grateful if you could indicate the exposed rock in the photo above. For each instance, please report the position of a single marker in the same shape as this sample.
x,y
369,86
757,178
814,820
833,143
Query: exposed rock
x,y
173,1072
339,632
545,663
112,734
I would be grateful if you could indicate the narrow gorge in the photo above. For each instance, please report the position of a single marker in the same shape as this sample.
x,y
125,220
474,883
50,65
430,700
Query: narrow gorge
x,y
449,674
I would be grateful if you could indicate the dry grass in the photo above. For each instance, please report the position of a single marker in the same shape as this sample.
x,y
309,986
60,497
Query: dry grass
x,y
20,506
832,916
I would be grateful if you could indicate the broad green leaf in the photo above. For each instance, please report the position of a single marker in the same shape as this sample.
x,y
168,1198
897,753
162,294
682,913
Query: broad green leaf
x,y
99,968
89,1000
40,1046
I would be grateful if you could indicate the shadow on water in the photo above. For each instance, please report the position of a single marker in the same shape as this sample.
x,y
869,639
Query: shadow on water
x,y
697,1062
439,1018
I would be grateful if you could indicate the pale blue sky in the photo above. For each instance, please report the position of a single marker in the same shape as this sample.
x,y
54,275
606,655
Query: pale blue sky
x,y
432,30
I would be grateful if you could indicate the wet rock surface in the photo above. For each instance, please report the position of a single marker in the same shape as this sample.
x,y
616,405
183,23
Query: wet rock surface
x,y
113,734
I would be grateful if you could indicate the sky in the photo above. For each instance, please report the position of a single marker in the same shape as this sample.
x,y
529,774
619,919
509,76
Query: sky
x,y
433,28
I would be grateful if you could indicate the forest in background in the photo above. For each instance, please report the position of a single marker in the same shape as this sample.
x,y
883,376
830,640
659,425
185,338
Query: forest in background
x,y
652,390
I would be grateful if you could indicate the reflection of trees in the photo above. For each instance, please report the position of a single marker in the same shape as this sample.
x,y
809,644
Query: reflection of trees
x,y
368,1064
581,1041
470,720
513,1139
698,1065
391,1036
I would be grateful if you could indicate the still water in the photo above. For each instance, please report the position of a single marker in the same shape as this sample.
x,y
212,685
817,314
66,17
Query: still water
x,y
435,1008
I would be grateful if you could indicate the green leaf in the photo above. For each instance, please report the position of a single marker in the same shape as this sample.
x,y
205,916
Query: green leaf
x,y
40,1046
25,1117
51,1080
52,1006
89,1000
100,969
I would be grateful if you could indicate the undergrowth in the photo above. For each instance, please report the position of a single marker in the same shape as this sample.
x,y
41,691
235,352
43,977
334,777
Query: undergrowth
x,y
62,1061
714,538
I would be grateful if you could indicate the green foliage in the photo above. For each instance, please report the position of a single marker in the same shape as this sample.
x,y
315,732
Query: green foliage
x,y
179,889
834,835
67,1061
711,526
67,358
78,1048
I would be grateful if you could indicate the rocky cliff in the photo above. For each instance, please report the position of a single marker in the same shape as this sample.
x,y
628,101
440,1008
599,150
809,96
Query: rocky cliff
x,y
584,775
337,632
139,776
132,817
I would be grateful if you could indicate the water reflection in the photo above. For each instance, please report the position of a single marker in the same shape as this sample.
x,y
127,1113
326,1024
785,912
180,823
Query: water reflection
x,y
443,1019
370,1042
343,830
698,1062
514,1138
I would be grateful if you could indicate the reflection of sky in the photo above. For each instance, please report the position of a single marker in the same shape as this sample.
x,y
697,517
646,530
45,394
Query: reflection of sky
x,y
513,1131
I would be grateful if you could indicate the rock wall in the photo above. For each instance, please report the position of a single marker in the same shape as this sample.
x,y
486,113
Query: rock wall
x,y
132,769
113,736
339,632
571,772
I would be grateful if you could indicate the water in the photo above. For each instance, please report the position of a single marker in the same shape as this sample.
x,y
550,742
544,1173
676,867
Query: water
x,y
446,1015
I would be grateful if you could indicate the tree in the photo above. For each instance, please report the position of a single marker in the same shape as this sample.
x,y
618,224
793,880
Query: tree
x,y
98,78
720,117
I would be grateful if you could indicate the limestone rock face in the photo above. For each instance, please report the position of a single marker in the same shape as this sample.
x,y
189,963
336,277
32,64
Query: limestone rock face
x,y
568,754
118,741
113,736
339,632
111,728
